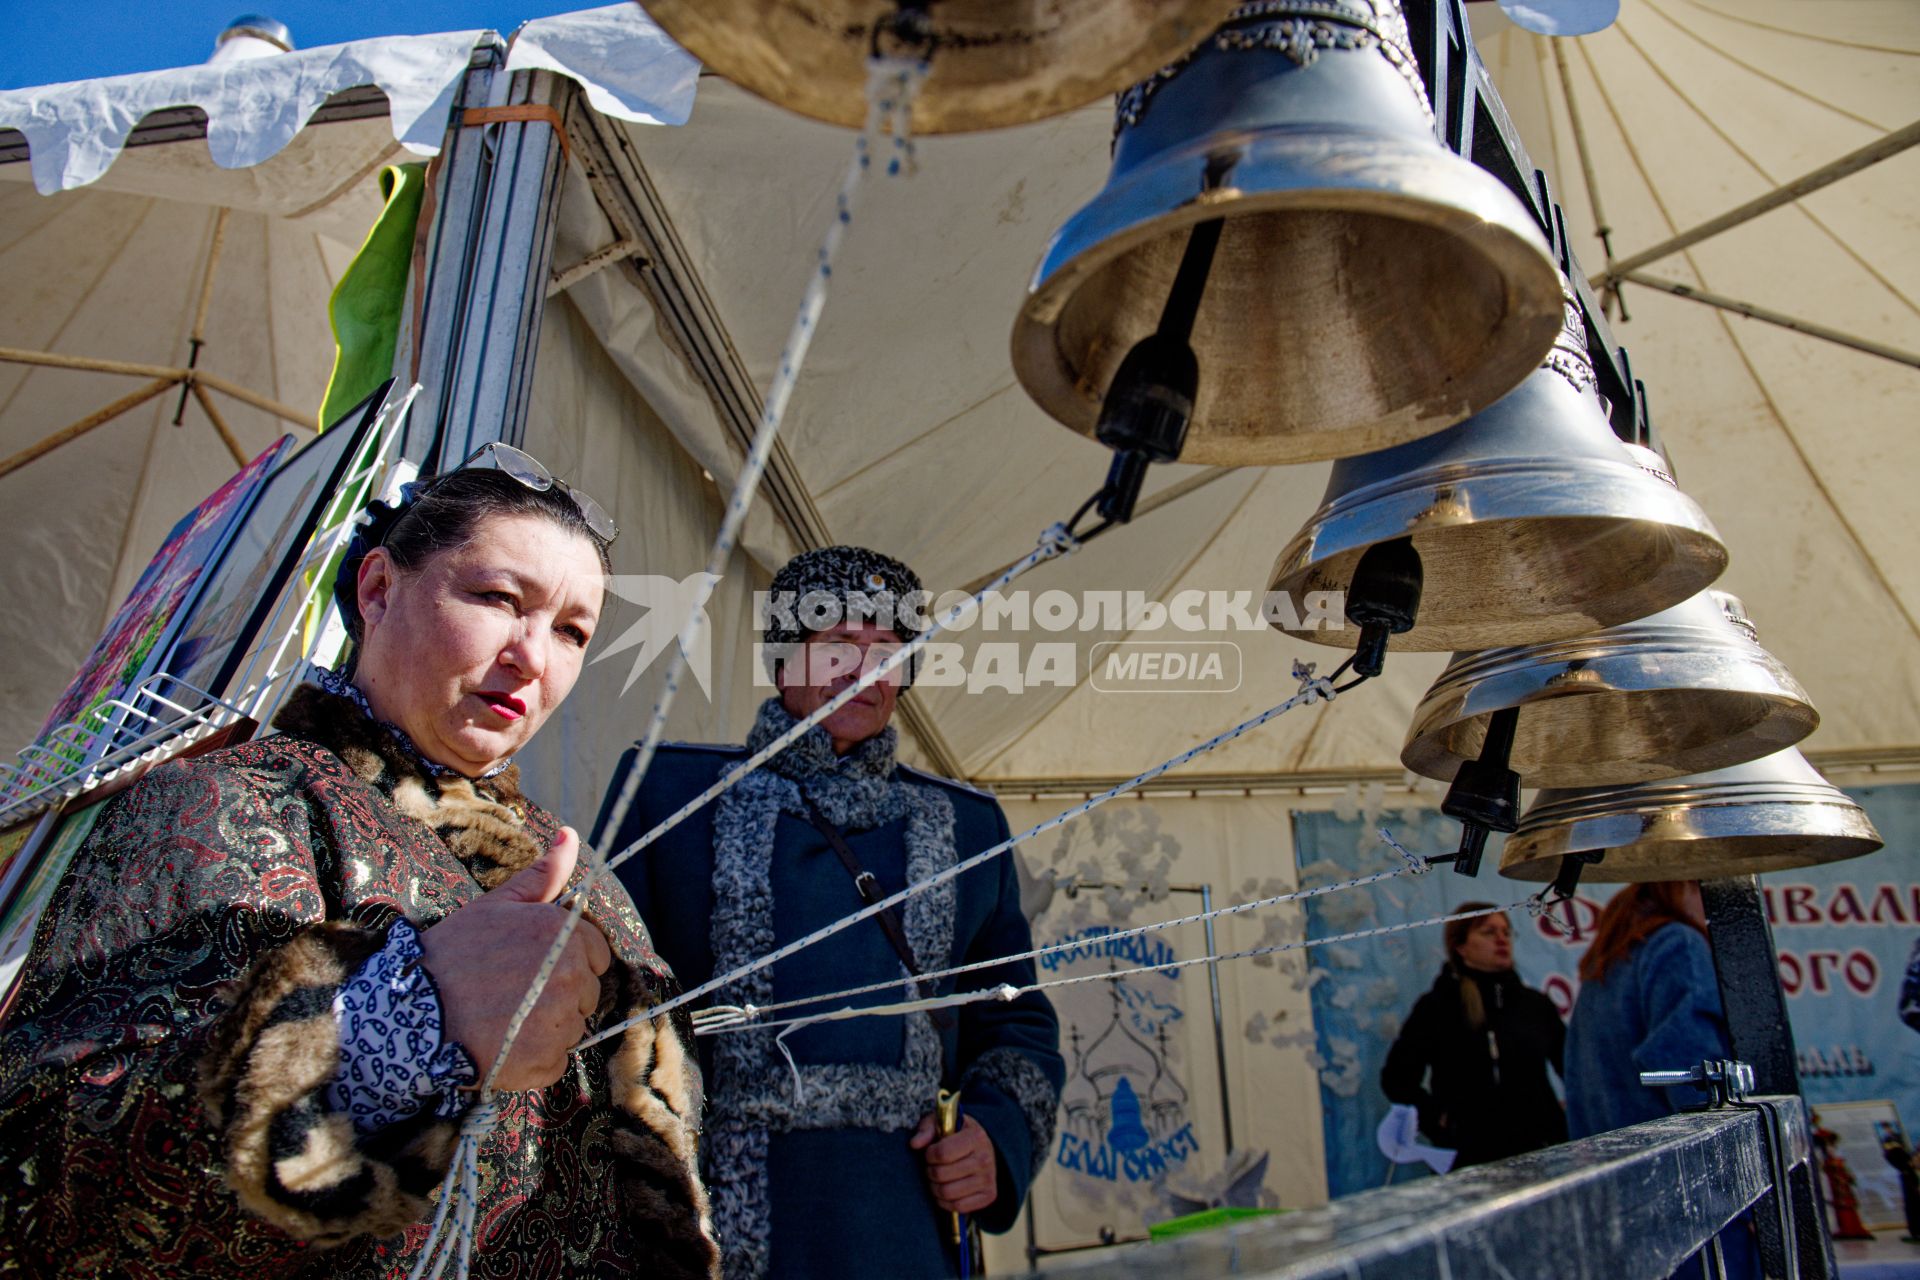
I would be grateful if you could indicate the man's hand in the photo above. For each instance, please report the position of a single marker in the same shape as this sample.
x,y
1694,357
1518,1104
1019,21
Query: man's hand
x,y
484,956
960,1168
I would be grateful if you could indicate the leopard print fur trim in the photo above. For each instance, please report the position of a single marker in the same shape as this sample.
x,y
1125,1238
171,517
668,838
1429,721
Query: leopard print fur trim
x,y
263,1080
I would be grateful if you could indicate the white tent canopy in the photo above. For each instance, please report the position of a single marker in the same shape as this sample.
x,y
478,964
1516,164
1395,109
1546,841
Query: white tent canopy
x,y
910,433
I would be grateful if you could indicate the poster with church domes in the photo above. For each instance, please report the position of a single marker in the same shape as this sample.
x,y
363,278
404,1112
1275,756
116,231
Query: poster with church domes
x,y
1140,1124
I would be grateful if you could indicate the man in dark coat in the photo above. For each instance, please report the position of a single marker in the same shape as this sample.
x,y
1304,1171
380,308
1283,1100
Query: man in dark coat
x,y
828,1163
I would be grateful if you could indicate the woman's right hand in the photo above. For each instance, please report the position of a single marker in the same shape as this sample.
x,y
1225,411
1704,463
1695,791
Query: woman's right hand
x,y
485,955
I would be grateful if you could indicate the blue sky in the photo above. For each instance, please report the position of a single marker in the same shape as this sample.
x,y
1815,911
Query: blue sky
x,y
48,41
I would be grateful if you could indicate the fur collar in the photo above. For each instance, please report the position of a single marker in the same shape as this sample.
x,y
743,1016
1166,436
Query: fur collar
x,y
483,822
855,791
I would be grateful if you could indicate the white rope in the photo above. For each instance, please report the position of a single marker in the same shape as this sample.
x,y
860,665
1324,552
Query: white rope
x,y
729,1015
891,85
1007,991
1312,689
1055,541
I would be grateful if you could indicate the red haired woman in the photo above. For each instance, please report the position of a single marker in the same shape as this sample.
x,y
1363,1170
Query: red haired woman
x,y
1649,1001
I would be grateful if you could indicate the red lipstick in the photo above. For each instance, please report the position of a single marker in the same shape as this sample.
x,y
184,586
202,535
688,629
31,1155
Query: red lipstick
x,y
503,704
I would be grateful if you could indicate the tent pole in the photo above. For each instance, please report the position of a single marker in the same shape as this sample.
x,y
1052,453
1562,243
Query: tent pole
x,y
1889,145
98,418
87,364
1785,321
1601,229
198,338
219,424
213,382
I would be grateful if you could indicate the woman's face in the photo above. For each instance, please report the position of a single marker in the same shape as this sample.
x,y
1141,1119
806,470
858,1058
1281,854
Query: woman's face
x,y
1489,945
471,651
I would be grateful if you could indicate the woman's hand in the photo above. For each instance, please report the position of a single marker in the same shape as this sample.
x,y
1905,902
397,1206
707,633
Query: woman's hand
x,y
484,956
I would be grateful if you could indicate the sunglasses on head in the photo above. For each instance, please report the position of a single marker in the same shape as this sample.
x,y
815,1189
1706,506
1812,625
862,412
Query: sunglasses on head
x,y
531,472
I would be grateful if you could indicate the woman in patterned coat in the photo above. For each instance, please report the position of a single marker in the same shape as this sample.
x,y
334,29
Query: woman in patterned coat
x,y
262,998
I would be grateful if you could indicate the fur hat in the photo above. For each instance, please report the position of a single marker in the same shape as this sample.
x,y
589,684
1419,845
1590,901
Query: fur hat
x,y
819,588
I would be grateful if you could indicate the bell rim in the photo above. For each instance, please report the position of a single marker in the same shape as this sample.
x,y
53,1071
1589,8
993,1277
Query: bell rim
x,y
1791,819
1606,644
1726,669
1619,494
938,108
1465,201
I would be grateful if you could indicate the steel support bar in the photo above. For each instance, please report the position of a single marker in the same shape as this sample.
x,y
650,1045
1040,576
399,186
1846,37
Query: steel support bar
x,y
1756,1011
1891,144
1768,316
1471,121
1626,1205
487,266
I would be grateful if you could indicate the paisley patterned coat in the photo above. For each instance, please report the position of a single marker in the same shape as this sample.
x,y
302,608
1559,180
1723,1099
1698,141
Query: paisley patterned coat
x,y
162,1071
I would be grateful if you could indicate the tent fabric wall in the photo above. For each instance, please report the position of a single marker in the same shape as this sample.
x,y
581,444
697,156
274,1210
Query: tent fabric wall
x,y
591,429
115,272
1802,451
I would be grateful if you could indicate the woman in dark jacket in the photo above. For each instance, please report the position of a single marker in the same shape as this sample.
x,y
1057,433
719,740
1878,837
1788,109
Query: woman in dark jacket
x,y
1473,1056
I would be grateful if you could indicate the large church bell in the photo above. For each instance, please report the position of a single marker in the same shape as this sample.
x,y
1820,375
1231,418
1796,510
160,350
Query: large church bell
x,y
1285,265
1528,522
1684,691
989,62
1765,815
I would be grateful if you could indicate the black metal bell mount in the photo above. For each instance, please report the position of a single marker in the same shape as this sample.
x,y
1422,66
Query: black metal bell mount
x,y
1149,404
1485,795
1383,600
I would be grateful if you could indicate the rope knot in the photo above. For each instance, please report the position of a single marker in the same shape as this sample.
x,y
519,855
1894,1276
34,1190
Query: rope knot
x,y
481,1120
1416,862
1058,540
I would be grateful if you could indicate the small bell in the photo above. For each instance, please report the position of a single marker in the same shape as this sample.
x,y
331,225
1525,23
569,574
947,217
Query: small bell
x,y
1686,690
1368,286
1532,521
990,62
1764,815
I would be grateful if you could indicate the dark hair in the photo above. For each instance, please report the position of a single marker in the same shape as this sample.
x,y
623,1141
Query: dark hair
x,y
1633,915
1456,937
442,514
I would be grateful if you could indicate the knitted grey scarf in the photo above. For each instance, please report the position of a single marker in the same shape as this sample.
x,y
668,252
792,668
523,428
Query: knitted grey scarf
x,y
753,1089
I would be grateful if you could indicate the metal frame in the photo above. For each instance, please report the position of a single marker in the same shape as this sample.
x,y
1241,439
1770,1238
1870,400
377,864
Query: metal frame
x,y
1472,122
1627,1205
481,299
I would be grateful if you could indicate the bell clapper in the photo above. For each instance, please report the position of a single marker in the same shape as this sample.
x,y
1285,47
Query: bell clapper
x,y
910,24
1571,865
1485,795
1383,599
1150,402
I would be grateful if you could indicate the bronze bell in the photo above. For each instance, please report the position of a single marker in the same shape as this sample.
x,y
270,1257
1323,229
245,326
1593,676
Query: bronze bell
x,y
1684,691
1532,522
1368,286
1765,815
990,62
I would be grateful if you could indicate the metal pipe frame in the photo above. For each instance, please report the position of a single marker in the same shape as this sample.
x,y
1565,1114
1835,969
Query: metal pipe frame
x,y
1873,153
488,262
1627,1205
1472,122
